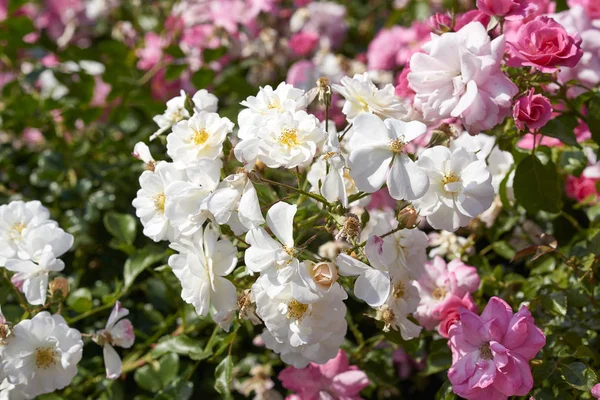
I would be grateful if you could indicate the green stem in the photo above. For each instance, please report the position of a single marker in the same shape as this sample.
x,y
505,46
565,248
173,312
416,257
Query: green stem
x,y
305,193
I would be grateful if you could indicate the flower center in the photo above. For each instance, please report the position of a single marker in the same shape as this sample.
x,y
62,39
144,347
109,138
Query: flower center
x,y
151,165
274,105
289,137
177,115
399,290
397,146
45,357
485,352
159,202
200,137
296,310
387,315
17,229
450,177
289,250
439,293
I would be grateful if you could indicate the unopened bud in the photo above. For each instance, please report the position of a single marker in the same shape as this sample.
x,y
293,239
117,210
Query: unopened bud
x,y
324,91
247,309
407,217
324,274
351,228
59,287
441,134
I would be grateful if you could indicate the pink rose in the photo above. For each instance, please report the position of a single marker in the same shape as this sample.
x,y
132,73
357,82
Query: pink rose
x,y
334,379
441,22
471,16
596,391
544,44
580,188
592,7
491,352
402,89
443,289
303,43
448,312
533,110
509,9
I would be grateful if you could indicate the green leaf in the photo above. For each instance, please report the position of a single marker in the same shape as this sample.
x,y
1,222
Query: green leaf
x,y
503,249
223,377
121,226
168,367
537,187
173,71
203,77
179,389
209,55
578,375
183,345
563,129
80,300
556,303
593,117
141,260
147,378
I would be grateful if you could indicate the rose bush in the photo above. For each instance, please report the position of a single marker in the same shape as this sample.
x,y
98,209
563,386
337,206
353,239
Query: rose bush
x,y
299,199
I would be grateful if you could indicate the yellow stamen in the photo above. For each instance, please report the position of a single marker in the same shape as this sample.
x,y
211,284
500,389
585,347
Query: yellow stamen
x,y
296,310
45,357
450,177
439,293
200,137
159,202
289,137
399,290
18,227
397,146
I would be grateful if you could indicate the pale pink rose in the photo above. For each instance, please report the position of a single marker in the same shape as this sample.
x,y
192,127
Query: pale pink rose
x,y
50,60
596,391
528,140
152,51
509,9
545,45
533,110
328,21
384,48
381,200
302,74
467,84
441,283
32,137
580,188
491,352
101,92
334,379
592,7
303,43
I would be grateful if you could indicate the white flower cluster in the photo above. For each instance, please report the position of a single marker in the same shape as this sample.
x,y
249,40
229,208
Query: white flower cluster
x,y
30,244
297,296
40,355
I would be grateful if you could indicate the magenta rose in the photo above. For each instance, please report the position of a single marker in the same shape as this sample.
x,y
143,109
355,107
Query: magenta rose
x,y
533,110
544,44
